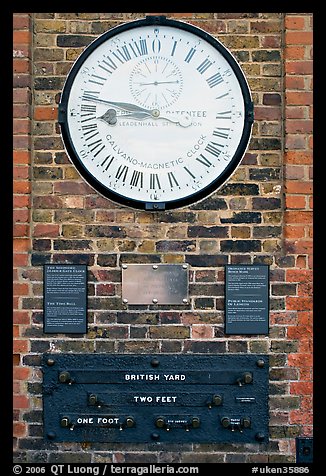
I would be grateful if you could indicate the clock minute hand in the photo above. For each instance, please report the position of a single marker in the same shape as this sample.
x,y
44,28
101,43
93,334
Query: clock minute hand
x,y
156,83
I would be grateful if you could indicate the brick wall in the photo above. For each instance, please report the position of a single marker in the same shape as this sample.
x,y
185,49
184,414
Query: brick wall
x,y
262,215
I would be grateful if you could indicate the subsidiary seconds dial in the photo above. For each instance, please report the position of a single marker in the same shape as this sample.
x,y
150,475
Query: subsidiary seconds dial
x,y
156,114
156,82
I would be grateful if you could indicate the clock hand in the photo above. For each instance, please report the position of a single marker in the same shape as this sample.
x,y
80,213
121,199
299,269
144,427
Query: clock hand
x,y
125,106
110,118
158,82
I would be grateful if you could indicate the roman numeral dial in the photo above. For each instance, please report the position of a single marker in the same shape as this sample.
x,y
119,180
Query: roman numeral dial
x,y
156,113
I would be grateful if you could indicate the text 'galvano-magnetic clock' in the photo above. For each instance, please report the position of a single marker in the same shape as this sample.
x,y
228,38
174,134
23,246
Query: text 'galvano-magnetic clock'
x,y
156,114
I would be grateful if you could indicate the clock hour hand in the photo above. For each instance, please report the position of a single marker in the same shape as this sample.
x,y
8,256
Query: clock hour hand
x,y
110,117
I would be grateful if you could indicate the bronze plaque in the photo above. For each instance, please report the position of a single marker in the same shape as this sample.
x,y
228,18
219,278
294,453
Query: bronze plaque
x,y
155,284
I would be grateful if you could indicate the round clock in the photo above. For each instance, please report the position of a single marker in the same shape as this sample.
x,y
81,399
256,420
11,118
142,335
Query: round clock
x,y
156,114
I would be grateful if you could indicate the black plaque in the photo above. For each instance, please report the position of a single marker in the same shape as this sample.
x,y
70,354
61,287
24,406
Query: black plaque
x,y
247,299
156,398
65,298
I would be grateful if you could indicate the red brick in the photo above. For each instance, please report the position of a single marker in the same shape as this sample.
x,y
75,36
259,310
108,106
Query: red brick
x,y
21,157
295,202
21,51
301,388
299,332
299,98
21,21
20,230
105,289
202,332
264,26
20,260
21,110
21,317
295,112
21,201
20,346
299,67
298,157
294,22
21,244
21,373
298,303
294,52
21,172
21,65
306,373
16,331
21,142
294,232
20,401
271,113
298,217
21,126
20,289
311,201
21,216
42,113
22,37
22,80
293,172
298,186
298,38
46,230
295,141
304,126
311,146
270,41
21,187
300,360
303,247
295,82
21,95
301,418
19,429
305,345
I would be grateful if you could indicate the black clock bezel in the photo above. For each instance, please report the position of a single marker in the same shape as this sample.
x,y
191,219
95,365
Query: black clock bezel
x,y
189,199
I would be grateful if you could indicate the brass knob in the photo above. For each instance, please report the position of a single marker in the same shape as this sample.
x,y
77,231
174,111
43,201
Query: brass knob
x,y
92,399
64,377
130,422
225,422
160,422
195,422
247,377
155,362
246,422
64,422
217,400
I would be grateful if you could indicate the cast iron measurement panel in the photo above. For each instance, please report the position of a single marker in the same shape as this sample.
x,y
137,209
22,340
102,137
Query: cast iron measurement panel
x,y
164,398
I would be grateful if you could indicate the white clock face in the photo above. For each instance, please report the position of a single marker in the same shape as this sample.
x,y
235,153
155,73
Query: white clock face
x,y
155,114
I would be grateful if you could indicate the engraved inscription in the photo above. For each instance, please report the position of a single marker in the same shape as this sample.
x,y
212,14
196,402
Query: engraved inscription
x,y
163,284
